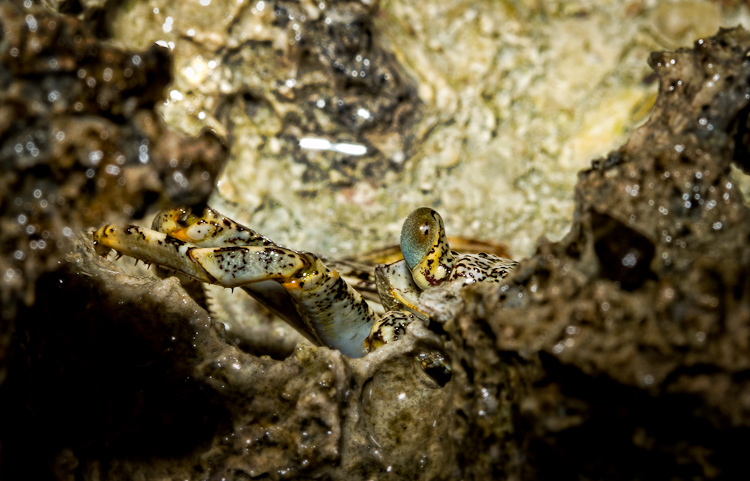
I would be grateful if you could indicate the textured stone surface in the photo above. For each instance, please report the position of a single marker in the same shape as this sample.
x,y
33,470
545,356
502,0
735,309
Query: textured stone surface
x,y
146,386
482,110
622,351
79,143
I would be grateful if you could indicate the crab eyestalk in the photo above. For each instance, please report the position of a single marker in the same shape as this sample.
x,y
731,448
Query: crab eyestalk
x,y
425,248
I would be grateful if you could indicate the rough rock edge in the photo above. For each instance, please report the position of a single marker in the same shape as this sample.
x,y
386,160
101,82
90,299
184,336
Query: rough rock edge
x,y
622,351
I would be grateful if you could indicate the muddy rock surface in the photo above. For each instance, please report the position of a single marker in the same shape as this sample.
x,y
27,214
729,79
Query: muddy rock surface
x,y
621,352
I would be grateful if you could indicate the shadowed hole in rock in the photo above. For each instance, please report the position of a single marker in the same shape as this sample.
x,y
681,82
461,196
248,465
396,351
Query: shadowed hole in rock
x,y
436,365
96,365
599,405
740,130
439,374
624,254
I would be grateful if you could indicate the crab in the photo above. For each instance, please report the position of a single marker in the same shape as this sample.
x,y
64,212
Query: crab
x,y
298,286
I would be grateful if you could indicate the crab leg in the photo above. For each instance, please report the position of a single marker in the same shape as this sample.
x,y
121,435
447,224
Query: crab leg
x,y
397,289
329,310
232,266
150,246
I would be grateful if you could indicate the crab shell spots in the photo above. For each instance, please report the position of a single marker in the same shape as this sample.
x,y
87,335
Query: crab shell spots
x,y
419,233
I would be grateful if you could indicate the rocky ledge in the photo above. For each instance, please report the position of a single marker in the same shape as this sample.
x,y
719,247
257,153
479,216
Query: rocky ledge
x,y
623,351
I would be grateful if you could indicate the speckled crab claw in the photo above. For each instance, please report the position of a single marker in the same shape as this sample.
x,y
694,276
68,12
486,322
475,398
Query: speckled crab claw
x,y
298,286
216,250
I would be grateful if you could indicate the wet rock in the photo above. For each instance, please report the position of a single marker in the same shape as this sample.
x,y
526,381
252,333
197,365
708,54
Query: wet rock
x,y
329,77
677,24
621,352
280,76
152,388
315,103
80,142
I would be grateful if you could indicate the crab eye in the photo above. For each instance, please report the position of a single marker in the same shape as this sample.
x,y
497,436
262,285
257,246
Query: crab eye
x,y
418,235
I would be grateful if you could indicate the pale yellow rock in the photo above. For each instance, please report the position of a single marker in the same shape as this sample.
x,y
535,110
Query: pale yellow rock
x,y
516,97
